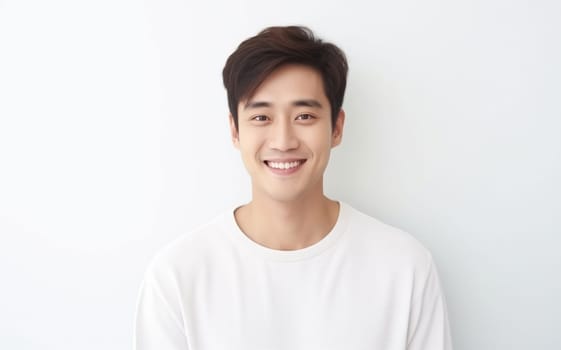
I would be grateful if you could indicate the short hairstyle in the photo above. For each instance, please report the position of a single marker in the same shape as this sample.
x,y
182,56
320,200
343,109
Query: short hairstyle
x,y
257,57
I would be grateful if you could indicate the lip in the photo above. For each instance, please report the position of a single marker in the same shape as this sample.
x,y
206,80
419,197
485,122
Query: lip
x,y
284,172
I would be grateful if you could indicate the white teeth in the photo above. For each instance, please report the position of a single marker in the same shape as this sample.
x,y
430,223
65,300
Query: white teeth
x,y
283,165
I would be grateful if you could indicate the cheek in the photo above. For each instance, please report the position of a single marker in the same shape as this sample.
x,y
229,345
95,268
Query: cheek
x,y
250,144
320,141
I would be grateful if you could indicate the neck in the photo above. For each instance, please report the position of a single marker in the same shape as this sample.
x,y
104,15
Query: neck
x,y
288,225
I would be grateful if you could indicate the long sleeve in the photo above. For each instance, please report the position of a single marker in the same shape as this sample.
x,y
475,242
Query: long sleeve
x,y
429,327
158,323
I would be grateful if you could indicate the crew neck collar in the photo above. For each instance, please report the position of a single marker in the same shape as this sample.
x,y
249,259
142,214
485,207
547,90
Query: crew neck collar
x,y
241,239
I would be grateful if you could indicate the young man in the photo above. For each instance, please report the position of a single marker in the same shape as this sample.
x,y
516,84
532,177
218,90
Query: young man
x,y
291,269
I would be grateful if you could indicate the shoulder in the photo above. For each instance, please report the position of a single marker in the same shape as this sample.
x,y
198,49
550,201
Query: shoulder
x,y
189,248
383,241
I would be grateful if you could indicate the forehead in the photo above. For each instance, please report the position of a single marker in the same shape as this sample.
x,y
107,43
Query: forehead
x,y
290,82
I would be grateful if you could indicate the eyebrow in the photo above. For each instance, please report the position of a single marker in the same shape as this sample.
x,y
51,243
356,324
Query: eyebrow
x,y
297,103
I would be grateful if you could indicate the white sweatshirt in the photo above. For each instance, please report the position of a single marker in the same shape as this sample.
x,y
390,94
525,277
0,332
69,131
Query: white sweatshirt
x,y
365,285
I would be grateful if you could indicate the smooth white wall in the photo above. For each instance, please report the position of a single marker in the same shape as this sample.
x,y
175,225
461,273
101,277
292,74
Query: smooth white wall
x,y
114,141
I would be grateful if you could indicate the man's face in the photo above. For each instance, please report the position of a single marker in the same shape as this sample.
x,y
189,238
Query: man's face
x,y
285,135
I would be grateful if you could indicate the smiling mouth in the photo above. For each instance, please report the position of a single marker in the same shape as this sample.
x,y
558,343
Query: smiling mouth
x,y
284,167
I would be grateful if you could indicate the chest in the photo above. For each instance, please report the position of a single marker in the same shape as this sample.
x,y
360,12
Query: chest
x,y
341,304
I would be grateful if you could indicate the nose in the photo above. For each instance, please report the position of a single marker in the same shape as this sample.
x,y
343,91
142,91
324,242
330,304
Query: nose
x,y
283,136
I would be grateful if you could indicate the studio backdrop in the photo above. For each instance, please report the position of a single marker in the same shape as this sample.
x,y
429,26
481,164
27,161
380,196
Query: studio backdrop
x,y
114,141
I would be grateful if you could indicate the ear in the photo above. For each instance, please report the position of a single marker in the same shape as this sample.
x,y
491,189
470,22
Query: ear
x,y
337,134
234,132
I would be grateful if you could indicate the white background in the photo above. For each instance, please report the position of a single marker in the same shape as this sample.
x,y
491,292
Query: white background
x,y
114,141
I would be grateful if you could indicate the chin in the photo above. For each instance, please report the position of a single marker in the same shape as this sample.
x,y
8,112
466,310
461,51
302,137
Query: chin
x,y
284,197
281,195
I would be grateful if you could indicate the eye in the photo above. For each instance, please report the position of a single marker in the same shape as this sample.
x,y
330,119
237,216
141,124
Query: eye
x,y
305,116
260,118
